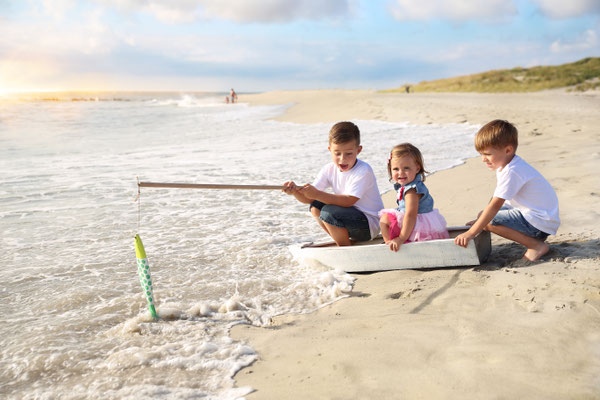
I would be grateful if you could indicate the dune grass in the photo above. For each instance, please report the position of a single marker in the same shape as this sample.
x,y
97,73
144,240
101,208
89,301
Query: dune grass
x,y
580,75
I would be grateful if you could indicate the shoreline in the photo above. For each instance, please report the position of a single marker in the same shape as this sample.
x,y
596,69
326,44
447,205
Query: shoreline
x,y
505,329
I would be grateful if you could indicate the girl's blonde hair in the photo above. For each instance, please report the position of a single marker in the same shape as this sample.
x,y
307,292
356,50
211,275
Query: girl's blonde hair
x,y
406,149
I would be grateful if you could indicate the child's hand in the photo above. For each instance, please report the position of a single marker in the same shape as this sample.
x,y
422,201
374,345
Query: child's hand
x,y
309,191
463,239
289,187
394,244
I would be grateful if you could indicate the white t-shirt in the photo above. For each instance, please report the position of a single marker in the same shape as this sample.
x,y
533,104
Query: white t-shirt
x,y
523,187
358,182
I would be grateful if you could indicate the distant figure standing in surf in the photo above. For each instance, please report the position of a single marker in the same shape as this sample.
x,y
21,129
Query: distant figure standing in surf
x,y
233,96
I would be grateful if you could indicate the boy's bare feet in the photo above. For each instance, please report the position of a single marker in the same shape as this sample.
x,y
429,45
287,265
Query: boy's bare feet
x,y
537,252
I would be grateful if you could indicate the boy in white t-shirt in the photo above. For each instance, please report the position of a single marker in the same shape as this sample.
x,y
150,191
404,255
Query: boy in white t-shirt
x,y
531,210
350,212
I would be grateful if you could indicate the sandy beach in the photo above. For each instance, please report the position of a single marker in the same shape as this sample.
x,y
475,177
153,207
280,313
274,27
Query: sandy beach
x,y
504,330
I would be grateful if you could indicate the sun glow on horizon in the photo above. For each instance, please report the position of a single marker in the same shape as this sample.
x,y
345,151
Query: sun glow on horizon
x,y
4,91
10,94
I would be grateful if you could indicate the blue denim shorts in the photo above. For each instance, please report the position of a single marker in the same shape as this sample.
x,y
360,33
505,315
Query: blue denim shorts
x,y
350,218
513,218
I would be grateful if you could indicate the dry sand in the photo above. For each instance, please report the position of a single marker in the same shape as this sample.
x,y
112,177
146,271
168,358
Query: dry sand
x,y
504,330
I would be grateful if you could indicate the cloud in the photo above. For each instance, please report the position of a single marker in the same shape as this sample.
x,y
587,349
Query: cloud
x,y
274,10
588,40
35,53
170,12
57,8
89,36
243,11
568,9
455,10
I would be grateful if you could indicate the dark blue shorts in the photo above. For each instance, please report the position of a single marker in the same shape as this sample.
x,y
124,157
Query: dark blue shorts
x,y
351,218
513,218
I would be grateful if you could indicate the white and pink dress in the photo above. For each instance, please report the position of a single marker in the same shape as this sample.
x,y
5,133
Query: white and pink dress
x,y
430,223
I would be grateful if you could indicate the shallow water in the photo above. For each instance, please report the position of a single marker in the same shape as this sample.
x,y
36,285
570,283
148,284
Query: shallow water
x,y
74,323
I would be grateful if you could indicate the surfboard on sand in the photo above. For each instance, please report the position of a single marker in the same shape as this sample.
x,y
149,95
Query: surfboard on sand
x,y
375,255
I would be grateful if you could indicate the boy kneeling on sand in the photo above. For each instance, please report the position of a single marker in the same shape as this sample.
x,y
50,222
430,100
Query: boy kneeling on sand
x,y
350,212
524,207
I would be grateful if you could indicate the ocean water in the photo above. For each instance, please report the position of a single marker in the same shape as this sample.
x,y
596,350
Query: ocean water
x,y
73,320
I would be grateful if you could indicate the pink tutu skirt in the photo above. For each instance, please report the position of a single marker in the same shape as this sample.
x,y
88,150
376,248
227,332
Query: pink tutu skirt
x,y
429,226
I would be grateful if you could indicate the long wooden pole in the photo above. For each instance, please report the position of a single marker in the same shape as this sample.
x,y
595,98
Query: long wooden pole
x,y
207,186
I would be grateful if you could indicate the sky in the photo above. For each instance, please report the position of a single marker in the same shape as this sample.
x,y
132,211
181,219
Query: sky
x,y
261,45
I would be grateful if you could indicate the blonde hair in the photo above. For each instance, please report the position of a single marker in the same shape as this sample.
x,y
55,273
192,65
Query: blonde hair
x,y
406,149
497,133
344,132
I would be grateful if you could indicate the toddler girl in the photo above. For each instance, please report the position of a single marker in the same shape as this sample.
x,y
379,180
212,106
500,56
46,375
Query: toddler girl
x,y
415,219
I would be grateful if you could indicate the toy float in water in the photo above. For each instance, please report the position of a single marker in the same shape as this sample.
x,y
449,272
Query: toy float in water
x,y
144,275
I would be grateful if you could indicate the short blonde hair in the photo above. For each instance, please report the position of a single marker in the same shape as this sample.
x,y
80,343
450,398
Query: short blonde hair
x,y
344,132
497,133
406,149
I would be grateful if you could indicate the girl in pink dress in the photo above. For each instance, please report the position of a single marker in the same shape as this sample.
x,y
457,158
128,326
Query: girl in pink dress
x,y
415,219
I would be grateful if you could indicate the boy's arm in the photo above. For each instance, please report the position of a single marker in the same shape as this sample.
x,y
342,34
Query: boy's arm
x,y
312,193
486,216
356,185
293,189
301,198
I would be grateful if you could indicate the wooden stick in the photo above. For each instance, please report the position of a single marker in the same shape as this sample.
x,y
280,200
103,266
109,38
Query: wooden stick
x,y
207,186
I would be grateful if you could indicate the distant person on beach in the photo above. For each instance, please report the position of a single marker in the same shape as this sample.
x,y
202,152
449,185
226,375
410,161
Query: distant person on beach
x,y
350,212
524,207
227,99
415,219
233,96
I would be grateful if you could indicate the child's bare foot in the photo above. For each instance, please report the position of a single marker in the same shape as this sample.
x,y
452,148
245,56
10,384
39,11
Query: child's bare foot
x,y
537,252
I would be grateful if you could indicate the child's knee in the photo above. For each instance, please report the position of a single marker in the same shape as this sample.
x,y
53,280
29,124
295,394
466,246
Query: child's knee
x,y
315,211
332,215
326,213
384,219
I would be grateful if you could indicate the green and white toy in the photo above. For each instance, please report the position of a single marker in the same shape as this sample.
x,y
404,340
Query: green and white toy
x,y
144,274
